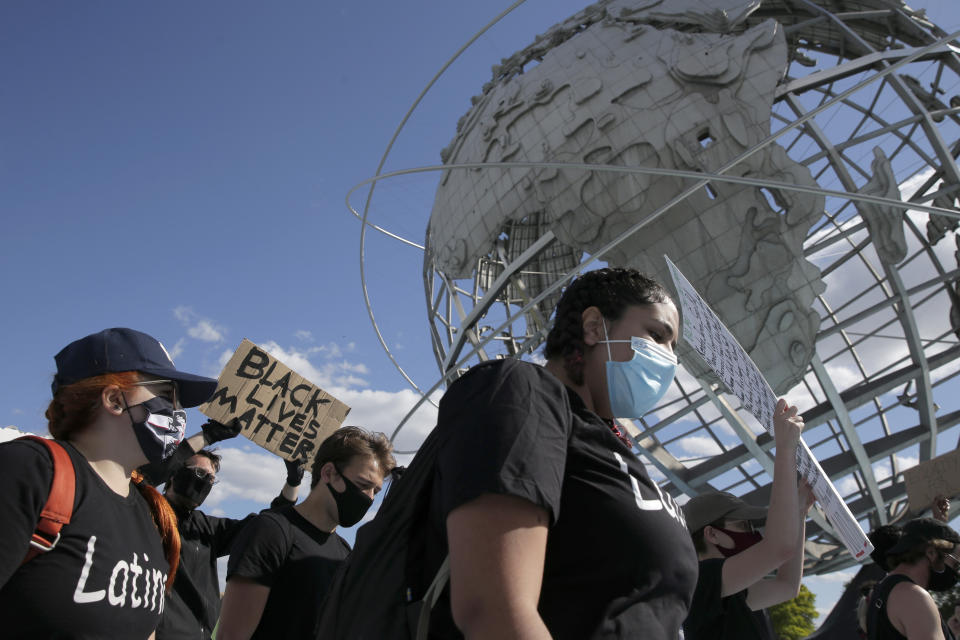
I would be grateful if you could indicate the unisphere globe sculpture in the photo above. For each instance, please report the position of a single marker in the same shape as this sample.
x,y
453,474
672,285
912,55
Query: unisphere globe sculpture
x,y
766,147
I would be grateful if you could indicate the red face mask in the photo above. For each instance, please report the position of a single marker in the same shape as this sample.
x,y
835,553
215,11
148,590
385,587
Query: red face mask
x,y
742,540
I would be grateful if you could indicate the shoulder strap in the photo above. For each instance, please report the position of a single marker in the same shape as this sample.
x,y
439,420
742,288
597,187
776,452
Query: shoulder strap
x,y
442,576
878,624
59,507
431,596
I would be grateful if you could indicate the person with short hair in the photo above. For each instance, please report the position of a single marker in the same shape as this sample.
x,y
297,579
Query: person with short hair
x,y
922,560
193,604
117,404
283,562
733,590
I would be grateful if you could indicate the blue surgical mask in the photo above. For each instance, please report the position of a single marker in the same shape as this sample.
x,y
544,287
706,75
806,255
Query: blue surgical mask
x,y
636,386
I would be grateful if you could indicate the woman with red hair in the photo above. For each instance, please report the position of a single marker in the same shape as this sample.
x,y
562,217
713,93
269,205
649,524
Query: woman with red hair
x,y
117,404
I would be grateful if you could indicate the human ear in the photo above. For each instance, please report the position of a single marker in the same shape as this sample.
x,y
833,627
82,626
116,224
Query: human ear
x,y
710,534
111,398
328,472
593,326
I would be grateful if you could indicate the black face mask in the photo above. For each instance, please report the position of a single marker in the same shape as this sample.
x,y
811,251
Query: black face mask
x,y
159,433
192,485
942,580
352,503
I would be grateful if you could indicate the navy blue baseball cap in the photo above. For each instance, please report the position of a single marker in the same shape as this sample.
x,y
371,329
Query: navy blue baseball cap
x,y
116,350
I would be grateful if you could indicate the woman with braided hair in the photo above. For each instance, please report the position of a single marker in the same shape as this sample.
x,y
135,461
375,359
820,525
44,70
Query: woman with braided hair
x,y
117,404
552,525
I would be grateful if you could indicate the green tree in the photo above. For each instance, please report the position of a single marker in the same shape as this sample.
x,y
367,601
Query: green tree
x,y
793,619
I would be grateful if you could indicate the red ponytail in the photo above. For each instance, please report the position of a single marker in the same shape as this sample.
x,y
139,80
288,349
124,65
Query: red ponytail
x,y
166,521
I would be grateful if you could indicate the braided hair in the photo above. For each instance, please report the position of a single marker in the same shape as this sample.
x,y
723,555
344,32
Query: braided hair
x,y
611,290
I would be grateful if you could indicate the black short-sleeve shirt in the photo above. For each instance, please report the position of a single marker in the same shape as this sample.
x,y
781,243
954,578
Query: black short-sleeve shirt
x,y
280,549
619,560
106,576
713,617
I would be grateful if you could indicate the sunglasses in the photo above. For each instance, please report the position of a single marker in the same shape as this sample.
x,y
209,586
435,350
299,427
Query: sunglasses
x,y
204,475
168,390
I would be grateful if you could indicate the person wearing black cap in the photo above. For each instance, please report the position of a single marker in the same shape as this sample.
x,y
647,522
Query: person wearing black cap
x,y
117,403
923,559
735,559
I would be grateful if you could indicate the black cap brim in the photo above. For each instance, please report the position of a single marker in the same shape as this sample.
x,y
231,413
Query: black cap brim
x,y
192,390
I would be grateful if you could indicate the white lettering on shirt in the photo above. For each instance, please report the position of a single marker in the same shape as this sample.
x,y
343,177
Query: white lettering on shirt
x,y
154,582
79,595
135,571
119,600
663,501
159,580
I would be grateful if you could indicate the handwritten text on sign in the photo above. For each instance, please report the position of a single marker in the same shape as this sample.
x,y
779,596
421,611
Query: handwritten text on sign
x,y
280,410
704,331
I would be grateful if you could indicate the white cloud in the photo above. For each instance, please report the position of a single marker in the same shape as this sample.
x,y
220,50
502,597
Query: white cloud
x,y
198,328
699,446
256,475
177,349
331,373
847,485
11,433
206,331
358,367
303,334
383,411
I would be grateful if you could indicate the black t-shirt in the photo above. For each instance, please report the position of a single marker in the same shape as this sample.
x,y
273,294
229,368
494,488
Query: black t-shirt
x,y
713,617
619,560
193,605
106,576
282,550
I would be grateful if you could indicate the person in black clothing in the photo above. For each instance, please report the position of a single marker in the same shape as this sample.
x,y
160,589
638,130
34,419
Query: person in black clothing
x,y
193,605
733,590
117,403
283,561
923,559
553,527
883,538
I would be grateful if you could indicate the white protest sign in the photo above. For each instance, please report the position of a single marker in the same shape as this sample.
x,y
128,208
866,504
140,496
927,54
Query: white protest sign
x,y
703,330
939,476
279,410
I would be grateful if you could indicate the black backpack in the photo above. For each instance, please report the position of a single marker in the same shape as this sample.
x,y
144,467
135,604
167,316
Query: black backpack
x,y
376,595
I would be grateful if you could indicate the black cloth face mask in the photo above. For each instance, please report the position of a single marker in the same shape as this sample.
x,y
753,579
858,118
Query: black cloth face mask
x,y
942,580
159,433
352,502
192,484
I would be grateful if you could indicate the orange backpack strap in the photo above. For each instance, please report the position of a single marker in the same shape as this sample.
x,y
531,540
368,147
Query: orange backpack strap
x,y
59,507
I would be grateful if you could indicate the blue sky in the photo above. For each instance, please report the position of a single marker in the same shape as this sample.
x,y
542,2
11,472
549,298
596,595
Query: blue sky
x,y
181,168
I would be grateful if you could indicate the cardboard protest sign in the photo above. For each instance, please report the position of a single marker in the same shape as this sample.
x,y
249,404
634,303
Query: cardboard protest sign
x,y
927,480
280,410
710,338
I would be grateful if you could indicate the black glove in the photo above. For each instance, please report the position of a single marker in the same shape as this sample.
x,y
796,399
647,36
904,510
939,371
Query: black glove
x,y
294,471
214,431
